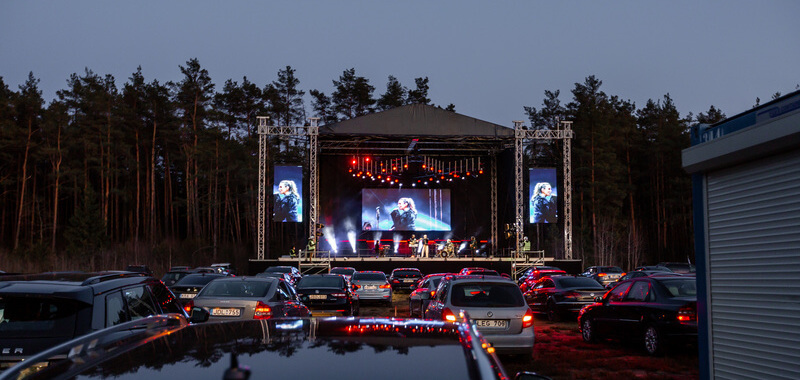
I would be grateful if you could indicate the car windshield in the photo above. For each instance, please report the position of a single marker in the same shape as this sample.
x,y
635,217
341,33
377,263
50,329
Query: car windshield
x,y
321,282
407,273
36,318
279,269
681,287
369,276
236,289
193,280
578,282
343,271
484,294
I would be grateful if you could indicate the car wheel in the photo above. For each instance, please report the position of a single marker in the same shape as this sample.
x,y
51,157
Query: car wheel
x,y
653,343
587,331
552,312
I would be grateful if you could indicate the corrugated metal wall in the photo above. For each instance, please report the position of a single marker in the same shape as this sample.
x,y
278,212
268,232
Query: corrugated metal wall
x,y
754,268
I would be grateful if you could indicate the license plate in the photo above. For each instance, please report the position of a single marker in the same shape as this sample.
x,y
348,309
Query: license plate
x,y
492,323
188,295
226,312
408,280
370,287
317,296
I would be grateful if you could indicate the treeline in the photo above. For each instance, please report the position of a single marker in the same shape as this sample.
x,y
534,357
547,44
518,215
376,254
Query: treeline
x,y
155,173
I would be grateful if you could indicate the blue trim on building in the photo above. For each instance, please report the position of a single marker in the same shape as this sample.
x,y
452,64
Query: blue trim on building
x,y
699,219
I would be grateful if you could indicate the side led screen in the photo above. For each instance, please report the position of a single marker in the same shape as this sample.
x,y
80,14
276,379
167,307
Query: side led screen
x,y
405,209
543,195
287,194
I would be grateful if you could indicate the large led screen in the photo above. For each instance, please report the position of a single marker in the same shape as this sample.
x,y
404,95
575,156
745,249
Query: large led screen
x,y
287,194
543,195
405,209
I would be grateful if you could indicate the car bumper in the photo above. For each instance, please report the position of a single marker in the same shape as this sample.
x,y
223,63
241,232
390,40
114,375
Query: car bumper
x,y
521,343
383,295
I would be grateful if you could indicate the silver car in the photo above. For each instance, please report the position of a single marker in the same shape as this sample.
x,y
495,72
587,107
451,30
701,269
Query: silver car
x,y
232,298
494,303
372,286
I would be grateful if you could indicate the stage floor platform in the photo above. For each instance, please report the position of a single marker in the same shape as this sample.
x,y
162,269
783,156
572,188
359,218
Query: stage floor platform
x,y
507,265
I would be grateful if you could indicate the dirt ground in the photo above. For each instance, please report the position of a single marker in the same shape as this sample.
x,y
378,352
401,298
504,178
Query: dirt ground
x,y
560,353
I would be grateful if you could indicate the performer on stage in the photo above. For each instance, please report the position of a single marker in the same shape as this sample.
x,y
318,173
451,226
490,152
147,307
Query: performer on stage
x,y
473,246
404,216
413,243
423,243
449,249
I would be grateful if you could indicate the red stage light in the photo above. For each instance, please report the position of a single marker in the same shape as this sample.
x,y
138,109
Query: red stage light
x,y
354,162
366,159
423,166
467,173
394,167
405,166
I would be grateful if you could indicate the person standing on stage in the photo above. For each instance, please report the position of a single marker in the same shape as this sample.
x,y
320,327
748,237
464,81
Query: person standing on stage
x,y
473,246
423,243
405,215
413,243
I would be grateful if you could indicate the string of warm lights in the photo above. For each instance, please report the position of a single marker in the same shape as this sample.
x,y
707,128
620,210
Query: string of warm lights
x,y
421,170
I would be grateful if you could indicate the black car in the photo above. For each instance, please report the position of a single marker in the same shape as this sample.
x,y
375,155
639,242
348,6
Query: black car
x,y
417,305
39,311
638,273
684,268
171,277
331,348
327,294
292,271
603,274
187,287
654,310
558,296
404,278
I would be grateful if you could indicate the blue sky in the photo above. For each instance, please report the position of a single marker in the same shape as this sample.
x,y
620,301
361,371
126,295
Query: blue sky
x,y
489,58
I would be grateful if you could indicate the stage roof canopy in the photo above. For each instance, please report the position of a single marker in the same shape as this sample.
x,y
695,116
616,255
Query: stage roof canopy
x,y
415,129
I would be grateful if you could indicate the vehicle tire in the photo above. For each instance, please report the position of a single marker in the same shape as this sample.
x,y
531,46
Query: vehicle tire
x,y
588,331
653,342
552,312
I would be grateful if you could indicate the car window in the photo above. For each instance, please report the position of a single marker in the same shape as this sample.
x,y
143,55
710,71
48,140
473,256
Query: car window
x,y
165,298
321,282
681,287
407,273
578,282
139,302
115,309
486,295
639,291
236,289
442,290
616,294
369,276
28,317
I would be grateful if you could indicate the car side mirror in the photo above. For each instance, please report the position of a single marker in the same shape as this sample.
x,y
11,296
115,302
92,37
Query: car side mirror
x,y
425,295
199,315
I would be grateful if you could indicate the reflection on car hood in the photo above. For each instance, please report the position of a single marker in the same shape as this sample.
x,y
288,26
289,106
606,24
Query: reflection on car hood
x,y
347,348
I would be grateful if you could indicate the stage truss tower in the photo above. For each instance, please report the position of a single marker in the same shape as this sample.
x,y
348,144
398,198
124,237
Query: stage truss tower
x,y
521,135
264,131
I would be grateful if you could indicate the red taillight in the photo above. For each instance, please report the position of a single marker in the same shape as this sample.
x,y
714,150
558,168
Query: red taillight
x,y
188,307
356,286
433,293
687,314
396,281
601,275
386,286
572,294
527,319
263,311
448,315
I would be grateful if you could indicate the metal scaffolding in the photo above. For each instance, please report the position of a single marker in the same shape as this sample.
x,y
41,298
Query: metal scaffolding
x,y
566,134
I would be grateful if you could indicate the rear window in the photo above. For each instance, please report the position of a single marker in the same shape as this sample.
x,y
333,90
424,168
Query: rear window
x,y
236,289
321,282
578,282
37,318
681,287
610,269
279,269
195,280
407,273
486,295
369,276
344,271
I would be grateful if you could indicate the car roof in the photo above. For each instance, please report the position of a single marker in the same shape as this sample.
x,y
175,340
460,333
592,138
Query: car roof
x,y
81,286
416,269
473,277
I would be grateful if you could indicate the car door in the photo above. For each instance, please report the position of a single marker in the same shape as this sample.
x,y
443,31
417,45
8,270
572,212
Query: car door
x,y
606,317
290,304
540,293
632,310
435,307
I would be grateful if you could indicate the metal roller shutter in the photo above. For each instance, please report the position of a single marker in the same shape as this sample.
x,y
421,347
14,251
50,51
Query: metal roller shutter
x,y
754,268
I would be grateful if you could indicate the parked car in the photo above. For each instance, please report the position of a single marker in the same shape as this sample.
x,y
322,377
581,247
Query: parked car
x,y
292,271
535,269
344,271
224,268
558,296
171,277
372,286
139,269
189,286
534,276
416,305
38,311
285,276
679,267
654,310
248,298
404,278
653,268
496,305
603,274
478,271
302,348
328,294
635,274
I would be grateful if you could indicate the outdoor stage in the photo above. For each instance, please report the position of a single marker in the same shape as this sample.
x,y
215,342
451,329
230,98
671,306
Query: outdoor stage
x,y
507,265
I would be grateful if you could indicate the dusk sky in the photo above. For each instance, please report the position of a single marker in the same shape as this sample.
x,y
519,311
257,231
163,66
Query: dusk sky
x,y
488,58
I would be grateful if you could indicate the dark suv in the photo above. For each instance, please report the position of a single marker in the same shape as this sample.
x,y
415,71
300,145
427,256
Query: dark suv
x,y
39,311
404,278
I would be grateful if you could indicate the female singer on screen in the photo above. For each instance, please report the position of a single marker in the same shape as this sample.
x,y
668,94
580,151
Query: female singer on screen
x,y
405,215
543,204
287,202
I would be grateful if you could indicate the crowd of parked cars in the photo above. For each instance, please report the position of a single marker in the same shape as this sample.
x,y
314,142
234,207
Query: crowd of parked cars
x,y
654,305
